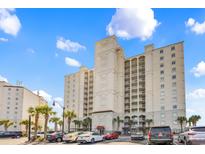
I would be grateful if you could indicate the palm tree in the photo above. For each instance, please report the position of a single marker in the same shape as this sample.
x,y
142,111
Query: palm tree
x,y
130,122
69,115
55,120
35,112
6,124
60,122
75,123
189,121
181,120
26,124
46,111
194,119
148,121
118,120
87,123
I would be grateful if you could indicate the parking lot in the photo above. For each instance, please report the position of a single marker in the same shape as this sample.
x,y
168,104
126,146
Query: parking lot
x,y
122,140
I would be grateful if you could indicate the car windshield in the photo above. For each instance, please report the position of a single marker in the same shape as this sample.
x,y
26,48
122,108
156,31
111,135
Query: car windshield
x,y
198,129
160,129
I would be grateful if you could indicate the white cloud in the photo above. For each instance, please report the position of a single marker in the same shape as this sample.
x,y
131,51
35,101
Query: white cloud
x,y
197,94
30,50
190,111
68,45
44,94
129,23
58,99
196,27
199,70
9,22
3,79
72,62
3,39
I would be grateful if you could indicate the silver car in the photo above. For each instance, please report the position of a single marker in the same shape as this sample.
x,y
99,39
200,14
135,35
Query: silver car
x,y
193,135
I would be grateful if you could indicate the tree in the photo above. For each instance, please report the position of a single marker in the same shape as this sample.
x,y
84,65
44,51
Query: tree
x,y
69,115
60,123
194,119
87,123
55,120
189,121
35,112
118,120
6,124
181,120
26,124
46,111
75,123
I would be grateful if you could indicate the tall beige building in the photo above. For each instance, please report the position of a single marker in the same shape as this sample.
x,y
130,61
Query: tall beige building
x,y
14,104
146,86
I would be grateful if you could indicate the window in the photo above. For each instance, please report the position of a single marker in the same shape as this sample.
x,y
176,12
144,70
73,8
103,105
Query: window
x,y
161,72
16,112
161,78
8,107
162,93
173,69
173,62
162,86
162,115
172,48
9,98
14,126
161,65
174,84
173,55
161,58
9,89
174,106
16,107
16,98
17,89
7,112
161,51
173,76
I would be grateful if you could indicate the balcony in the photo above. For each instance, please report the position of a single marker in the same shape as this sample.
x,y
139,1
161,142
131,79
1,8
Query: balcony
x,y
134,103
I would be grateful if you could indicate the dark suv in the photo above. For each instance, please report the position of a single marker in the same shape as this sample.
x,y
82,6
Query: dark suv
x,y
160,135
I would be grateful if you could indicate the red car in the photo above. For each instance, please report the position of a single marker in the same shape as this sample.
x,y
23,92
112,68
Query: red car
x,y
111,136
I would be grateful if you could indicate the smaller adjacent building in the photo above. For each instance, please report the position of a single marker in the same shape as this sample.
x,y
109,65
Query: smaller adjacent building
x,y
14,103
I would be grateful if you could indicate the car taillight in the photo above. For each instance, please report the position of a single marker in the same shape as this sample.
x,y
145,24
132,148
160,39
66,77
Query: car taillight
x,y
149,135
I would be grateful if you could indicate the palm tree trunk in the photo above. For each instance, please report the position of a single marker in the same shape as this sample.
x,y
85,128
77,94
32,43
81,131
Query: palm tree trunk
x,y
26,130
36,126
56,126
118,125
45,127
181,127
68,125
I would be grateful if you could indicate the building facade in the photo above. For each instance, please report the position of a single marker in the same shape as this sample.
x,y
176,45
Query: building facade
x,y
146,86
14,104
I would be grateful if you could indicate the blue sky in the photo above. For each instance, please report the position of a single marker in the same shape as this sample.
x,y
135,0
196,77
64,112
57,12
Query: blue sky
x,y
40,46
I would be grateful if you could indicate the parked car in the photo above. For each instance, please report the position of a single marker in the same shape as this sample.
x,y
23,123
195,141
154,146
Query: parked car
x,y
39,134
118,132
111,136
90,137
71,137
137,136
55,137
160,135
193,135
10,134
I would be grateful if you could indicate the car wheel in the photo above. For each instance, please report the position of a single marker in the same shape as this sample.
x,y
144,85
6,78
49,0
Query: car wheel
x,y
92,140
58,139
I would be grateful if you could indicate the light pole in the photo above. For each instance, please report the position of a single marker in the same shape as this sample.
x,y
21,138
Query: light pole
x,y
63,107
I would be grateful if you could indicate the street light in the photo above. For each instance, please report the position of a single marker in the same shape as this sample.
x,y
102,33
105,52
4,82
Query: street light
x,y
63,107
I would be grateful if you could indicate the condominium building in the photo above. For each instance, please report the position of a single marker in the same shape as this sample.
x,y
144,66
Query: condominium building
x,y
14,103
146,86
